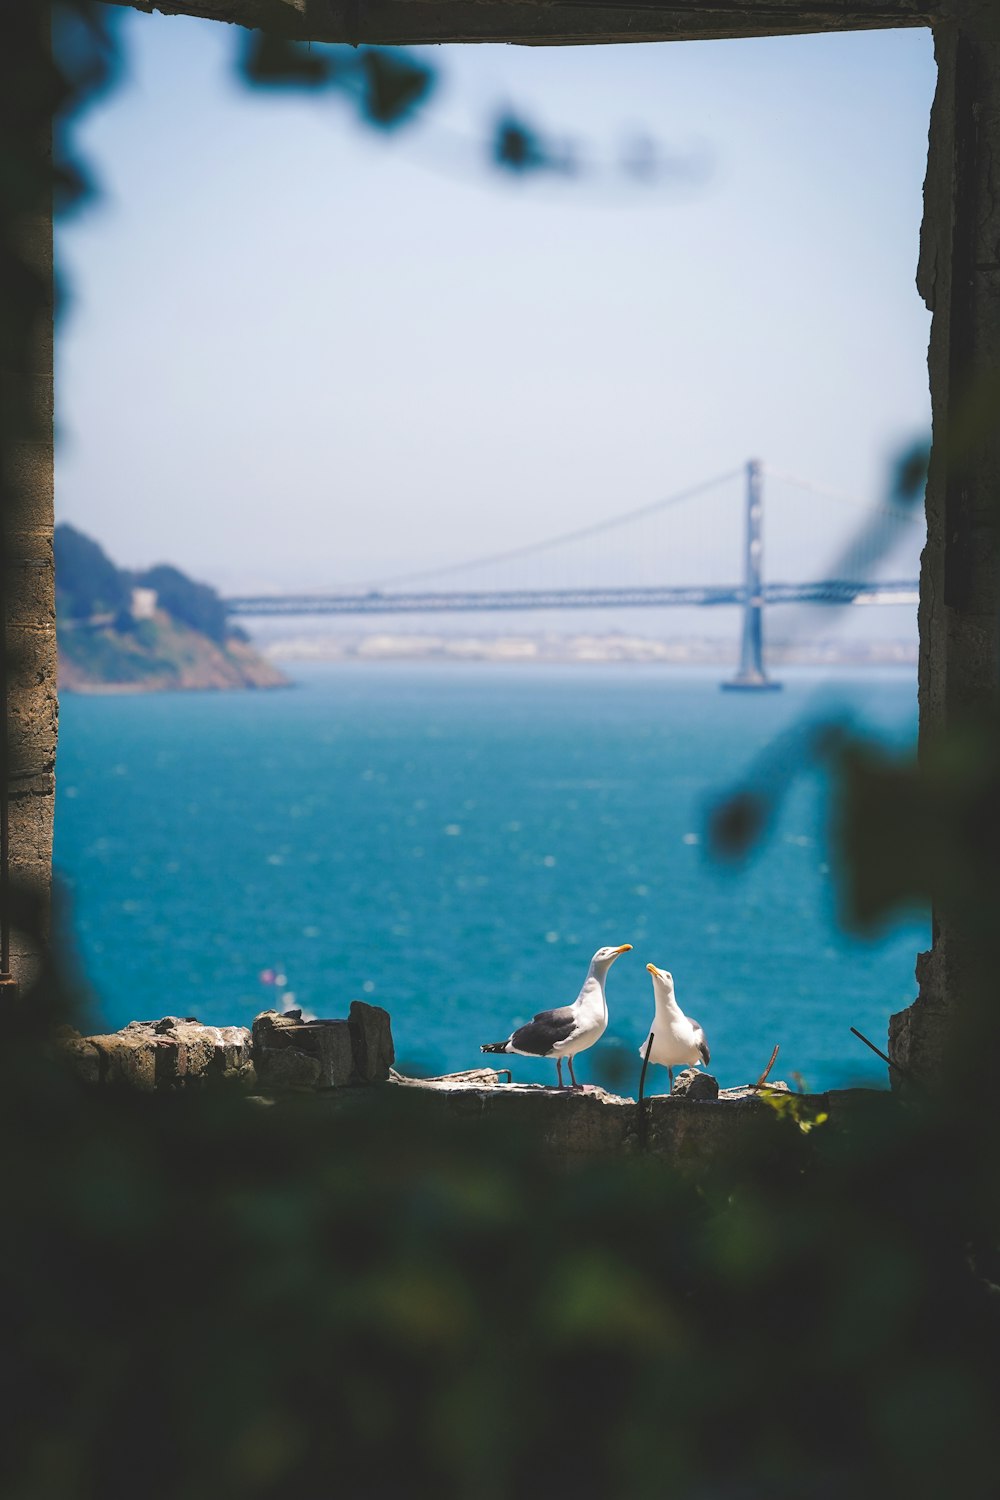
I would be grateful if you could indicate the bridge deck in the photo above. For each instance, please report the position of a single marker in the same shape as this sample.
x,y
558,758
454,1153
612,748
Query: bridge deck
x,y
826,591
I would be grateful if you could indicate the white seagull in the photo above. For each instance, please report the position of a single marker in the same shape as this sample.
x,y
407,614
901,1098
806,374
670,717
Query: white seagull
x,y
676,1038
570,1029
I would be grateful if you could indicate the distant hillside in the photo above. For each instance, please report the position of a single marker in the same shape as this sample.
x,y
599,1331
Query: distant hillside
x,y
144,632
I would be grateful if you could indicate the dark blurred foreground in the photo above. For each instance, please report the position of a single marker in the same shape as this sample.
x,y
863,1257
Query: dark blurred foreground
x,y
211,1296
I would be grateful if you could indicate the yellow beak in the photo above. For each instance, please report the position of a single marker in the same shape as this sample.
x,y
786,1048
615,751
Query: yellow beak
x,y
625,948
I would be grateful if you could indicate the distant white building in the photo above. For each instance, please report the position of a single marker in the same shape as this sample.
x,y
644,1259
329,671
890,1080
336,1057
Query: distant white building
x,y
143,604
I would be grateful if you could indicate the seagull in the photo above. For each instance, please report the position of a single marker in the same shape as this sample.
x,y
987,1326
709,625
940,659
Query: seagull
x,y
570,1029
676,1038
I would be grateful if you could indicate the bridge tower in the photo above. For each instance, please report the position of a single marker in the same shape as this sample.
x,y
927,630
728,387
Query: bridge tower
x,y
752,676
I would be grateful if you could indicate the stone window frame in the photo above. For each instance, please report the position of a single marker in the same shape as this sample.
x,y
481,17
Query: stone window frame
x,y
958,277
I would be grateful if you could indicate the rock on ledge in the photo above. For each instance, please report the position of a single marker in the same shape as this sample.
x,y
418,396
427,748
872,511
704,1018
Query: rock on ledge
x,y
175,1053
283,1052
693,1084
290,1053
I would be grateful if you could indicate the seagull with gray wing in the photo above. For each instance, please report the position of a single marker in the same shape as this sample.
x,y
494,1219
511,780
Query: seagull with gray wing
x,y
570,1029
676,1038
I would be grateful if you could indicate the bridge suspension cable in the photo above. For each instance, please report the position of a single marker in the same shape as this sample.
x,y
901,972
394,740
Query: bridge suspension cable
x,y
895,511
565,537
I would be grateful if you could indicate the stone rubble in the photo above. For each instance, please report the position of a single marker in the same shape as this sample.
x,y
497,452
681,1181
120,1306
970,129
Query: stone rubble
x,y
176,1052
282,1052
694,1084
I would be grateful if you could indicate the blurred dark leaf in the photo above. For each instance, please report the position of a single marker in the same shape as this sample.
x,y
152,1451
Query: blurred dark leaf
x,y
517,147
916,832
85,50
276,61
396,85
641,158
615,1066
737,823
909,479
385,83
86,64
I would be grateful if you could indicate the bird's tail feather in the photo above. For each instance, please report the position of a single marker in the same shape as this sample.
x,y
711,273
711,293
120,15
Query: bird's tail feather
x,y
493,1047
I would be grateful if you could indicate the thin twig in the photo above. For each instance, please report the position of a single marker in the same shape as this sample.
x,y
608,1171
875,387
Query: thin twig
x,y
887,1060
763,1077
642,1086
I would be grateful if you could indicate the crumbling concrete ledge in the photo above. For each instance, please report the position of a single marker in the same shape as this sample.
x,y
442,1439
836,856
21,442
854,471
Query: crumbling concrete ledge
x,y
282,1053
174,1053
592,1122
336,1062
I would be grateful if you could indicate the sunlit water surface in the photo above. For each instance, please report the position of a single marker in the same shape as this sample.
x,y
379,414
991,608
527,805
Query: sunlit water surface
x,y
454,842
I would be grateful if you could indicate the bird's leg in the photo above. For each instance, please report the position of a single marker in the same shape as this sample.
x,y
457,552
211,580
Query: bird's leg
x,y
670,1075
559,1071
571,1073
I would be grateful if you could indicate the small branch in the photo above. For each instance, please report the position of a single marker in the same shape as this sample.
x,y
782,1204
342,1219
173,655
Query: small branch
x,y
887,1060
642,1085
763,1077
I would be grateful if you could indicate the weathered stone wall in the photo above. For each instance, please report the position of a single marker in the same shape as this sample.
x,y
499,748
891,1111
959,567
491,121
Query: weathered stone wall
x,y
283,1053
27,604
335,1063
541,22
959,279
292,1053
175,1053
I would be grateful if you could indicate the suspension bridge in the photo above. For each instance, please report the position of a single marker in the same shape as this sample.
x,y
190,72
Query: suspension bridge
x,y
856,575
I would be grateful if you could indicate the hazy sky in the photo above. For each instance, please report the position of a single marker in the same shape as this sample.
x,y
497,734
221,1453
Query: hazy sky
x,y
301,353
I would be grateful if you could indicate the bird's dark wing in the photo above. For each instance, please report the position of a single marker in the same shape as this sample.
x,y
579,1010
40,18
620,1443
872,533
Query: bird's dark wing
x,y
702,1045
547,1030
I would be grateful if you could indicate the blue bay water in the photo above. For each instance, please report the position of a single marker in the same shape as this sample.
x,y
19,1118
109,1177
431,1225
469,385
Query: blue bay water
x,y
453,842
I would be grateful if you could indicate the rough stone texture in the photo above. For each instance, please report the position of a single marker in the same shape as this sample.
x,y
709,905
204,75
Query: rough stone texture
x,y
540,21
693,1133
568,1122
959,279
283,1052
290,1053
297,1054
371,1040
82,1055
580,1124
288,1068
125,1058
692,1083
487,1078
27,599
571,1124
174,1053
919,1034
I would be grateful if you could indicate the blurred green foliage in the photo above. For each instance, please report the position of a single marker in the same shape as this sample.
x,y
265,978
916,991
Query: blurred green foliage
x,y
795,1107
210,1297
385,83
360,1295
